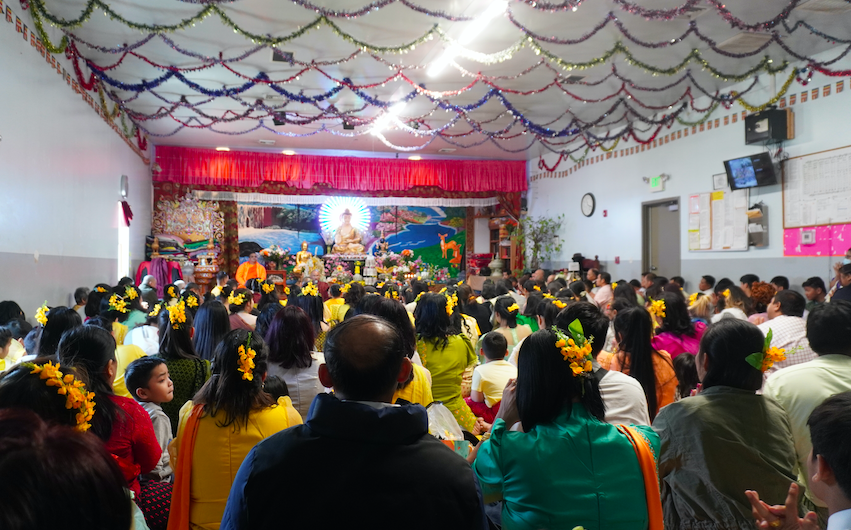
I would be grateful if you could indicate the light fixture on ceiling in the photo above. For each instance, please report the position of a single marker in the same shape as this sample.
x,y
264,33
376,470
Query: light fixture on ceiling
x,y
222,148
389,114
415,158
288,152
478,25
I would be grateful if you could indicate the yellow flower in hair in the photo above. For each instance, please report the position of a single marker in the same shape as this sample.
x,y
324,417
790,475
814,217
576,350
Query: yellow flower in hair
x,y
379,285
451,302
575,348
100,289
268,287
537,287
614,285
442,291
548,295
155,311
459,284
238,299
769,355
73,389
41,314
177,314
310,290
191,301
246,361
692,299
171,292
131,293
344,289
283,302
286,290
657,308
726,293
559,304
116,303
513,308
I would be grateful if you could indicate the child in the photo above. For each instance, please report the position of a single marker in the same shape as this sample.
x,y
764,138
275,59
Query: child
x,y
276,387
490,378
5,347
148,382
829,465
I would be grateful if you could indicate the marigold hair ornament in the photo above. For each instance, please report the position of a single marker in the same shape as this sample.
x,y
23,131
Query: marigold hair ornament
x,y
246,359
72,388
41,314
769,355
268,287
177,314
131,293
116,303
155,311
513,308
657,308
576,348
310,290
236,299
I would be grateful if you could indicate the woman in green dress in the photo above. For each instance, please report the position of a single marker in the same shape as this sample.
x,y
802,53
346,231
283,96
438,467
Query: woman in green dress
x,y
445,354
529,318
553,461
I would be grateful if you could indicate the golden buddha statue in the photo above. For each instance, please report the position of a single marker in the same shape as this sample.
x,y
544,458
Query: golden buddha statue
x,y
347,238
303,259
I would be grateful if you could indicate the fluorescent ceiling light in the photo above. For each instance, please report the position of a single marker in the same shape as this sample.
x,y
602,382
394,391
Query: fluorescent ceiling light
x,y
288,152
415,158
222,148
472,31
381,123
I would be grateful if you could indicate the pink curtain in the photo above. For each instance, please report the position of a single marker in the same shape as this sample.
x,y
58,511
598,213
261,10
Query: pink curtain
x,y
193,166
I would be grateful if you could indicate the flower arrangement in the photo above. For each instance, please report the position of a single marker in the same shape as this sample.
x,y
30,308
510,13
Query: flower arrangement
x,y
275,256
576,349
246,360
76,396
657,308
116,303
177,314
769,355
334,265
41,314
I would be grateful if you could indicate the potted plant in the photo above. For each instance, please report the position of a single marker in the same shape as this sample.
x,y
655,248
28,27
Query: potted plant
x,y
539,236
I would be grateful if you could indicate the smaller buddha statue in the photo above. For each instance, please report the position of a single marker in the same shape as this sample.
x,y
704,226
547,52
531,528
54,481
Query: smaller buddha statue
x,y
303,259
347,238
382,246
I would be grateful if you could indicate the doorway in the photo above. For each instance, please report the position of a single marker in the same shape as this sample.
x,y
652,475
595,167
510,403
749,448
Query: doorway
x,y
661,237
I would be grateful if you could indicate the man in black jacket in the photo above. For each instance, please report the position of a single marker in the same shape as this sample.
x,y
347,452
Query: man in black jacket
x,y
358,461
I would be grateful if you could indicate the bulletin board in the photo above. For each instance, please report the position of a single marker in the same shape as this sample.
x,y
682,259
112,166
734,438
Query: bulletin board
x,y
817,189
718,221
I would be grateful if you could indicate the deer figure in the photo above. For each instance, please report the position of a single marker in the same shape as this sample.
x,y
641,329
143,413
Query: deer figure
x,y
444,246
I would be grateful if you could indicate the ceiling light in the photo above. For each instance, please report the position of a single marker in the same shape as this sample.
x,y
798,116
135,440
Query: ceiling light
x,y
415,157
390,113
575,8
478,25
288,152
222,148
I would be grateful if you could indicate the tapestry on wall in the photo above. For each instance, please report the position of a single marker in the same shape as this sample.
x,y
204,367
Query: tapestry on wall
x,y
435,235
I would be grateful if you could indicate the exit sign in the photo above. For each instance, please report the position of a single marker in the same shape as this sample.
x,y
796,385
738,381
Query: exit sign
x,y
657,184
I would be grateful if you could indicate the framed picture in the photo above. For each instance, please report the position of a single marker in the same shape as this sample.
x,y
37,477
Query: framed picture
x,y
719,181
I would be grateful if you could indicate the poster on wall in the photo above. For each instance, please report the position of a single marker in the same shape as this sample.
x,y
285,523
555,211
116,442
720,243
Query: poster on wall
x,y
435,235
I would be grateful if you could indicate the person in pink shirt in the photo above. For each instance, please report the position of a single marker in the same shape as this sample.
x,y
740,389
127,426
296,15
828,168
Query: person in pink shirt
x,y
677,333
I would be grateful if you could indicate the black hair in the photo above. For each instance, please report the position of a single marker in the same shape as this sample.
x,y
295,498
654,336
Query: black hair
x,y
845,269
485,271
710,280
364,355
191,307
85,487
211,326
247,296
10,310
594,323
31,341
780,281
661,281
176,343
19,388
488,290
828,328
830,429
651,276
677,319
633,329
577,288
548,310
792,303
727,343
89,349
59,320
19,328
465,296
100,322
553,288
501,289
418,286
291,339
264,319
276,387
532,302
354,294
138,374
335,291
494,345
501,309
686,372
606,277
679,280
395,313
228,389
749,279
313,308
81,294
626,292
135,303
113,315
93,305
722,285
635,283
5,337
815,283
221,275
432,322
125,281
267,298
170,292
654,292
546,384
364,306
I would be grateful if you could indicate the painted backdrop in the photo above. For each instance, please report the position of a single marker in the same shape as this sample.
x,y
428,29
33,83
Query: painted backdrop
x,y
436,235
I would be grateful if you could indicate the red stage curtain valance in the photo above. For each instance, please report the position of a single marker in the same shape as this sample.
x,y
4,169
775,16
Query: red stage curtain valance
x,y
207,167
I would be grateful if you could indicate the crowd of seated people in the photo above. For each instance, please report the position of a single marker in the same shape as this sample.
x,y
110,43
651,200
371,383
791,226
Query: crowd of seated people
x,y
583,402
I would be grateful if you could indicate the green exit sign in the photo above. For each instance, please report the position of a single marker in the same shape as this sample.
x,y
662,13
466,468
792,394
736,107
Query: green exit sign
x,y
657,184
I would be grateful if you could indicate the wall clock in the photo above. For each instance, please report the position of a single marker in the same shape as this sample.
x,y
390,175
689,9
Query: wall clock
x,y
589,203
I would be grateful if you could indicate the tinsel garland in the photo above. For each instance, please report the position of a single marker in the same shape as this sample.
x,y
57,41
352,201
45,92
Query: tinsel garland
x,y
772,101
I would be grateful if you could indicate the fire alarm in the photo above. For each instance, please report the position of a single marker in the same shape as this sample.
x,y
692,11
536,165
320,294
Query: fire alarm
x,y
605,213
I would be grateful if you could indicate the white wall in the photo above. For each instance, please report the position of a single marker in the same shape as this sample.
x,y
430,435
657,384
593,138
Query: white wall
x,y
60,165
618,187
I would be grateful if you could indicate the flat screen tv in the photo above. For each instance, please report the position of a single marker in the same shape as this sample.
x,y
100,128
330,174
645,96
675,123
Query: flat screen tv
x,y
750,172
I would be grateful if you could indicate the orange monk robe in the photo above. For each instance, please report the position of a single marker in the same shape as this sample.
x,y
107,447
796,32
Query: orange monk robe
x,y
249,270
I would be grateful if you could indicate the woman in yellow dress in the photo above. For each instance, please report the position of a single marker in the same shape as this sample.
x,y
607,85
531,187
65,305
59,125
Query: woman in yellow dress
x,y
226,419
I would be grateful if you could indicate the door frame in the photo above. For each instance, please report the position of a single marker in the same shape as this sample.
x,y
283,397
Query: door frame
x,y
645,236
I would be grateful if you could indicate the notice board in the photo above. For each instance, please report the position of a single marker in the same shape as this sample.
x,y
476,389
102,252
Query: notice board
x,y
817,189
718,221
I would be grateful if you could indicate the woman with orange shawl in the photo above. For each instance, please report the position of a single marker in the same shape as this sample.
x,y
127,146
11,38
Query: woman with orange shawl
x,y
224,421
